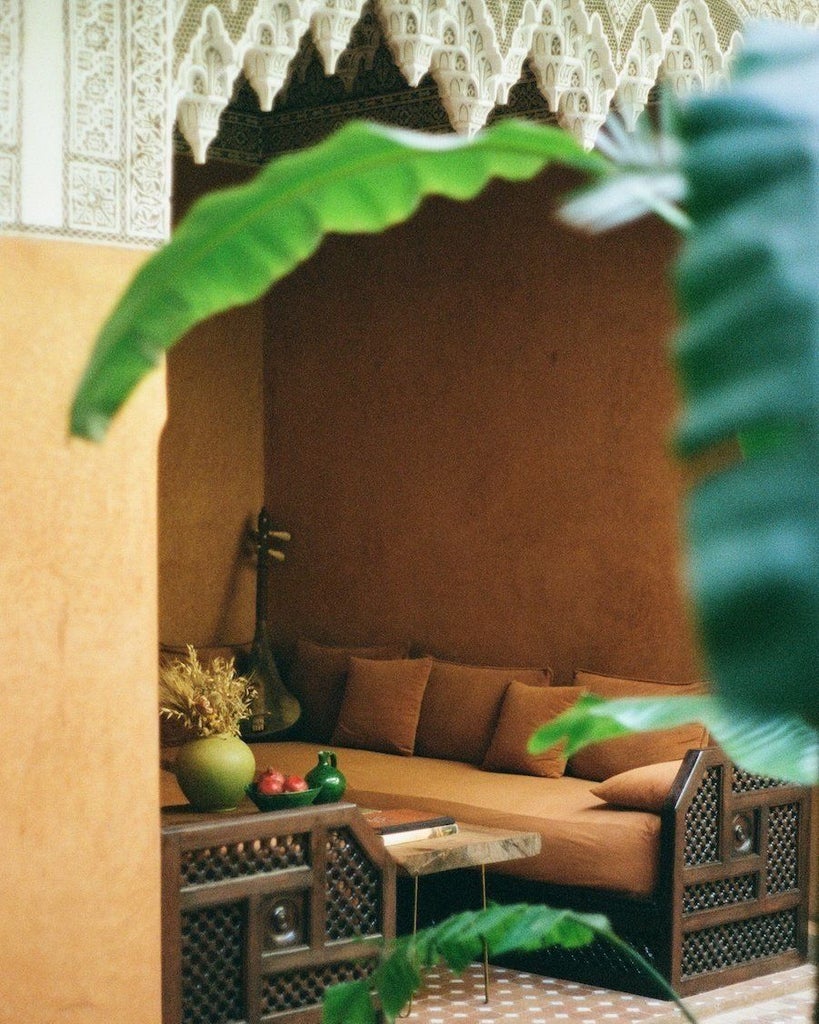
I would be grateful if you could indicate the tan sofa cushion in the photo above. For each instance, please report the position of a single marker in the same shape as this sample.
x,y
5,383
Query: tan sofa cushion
x,y
317,678
525,708
461,707
382,701
641,789
585,842
611,757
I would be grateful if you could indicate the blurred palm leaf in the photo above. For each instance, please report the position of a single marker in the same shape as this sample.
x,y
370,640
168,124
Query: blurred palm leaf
x,y
748,363
783,746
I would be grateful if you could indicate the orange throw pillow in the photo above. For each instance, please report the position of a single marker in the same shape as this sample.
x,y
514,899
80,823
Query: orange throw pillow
x,y
381,704
525,708
461,708
640,789
611,757
318,677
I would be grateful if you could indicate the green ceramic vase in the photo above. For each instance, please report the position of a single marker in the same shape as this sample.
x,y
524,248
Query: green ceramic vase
x,y
213,771
326,774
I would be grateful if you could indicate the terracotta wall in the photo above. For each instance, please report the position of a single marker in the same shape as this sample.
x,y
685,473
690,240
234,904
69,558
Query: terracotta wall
x,y
467,421
79,931
211,462
466,431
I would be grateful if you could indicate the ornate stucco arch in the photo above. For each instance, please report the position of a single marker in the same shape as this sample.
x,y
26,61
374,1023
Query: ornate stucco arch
x,y
585,54
90,90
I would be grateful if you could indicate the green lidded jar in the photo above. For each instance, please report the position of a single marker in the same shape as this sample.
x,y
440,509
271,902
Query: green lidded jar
x,y
326,774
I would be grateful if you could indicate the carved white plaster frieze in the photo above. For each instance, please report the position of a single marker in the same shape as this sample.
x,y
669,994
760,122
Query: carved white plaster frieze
x,y
275,31
518,48
85,120
264,49
585,54
331,27
359,56
693,59
465,68
571,59
640,68
208,74
10,55
411,31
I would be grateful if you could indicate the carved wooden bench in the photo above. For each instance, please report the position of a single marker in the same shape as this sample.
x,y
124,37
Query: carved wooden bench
x,y
732,902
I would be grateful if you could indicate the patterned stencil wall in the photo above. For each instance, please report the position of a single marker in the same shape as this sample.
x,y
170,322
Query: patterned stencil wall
x,y
85,120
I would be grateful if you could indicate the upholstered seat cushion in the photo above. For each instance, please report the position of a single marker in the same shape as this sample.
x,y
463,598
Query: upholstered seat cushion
x,y
585,842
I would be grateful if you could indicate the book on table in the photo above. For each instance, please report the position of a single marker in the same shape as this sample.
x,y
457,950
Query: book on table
x,y
408,824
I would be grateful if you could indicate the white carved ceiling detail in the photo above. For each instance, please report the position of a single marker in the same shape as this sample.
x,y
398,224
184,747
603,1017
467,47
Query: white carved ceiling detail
x,y
585,54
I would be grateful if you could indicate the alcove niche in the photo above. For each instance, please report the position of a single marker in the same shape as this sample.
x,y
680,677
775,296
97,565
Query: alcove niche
x,y
463,422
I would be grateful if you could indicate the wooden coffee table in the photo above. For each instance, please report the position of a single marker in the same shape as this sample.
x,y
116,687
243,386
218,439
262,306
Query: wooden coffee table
x,y
473,846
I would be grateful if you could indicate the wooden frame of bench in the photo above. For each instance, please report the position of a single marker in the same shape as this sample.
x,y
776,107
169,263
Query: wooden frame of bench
x,y
262,912
731,904
732,898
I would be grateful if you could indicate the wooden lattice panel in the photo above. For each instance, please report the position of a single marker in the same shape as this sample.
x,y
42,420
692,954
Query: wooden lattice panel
x,y
293,990
353,888
702,820
745,782
739,904
783,860
738,942
212,964
262,912
261,855
724,892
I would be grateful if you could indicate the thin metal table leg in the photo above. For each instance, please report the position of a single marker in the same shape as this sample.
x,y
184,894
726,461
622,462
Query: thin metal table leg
x,y
485,947
408,1010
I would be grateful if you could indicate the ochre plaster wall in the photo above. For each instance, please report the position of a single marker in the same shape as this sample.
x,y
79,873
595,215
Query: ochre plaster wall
x,y
467,426
211,474
79,928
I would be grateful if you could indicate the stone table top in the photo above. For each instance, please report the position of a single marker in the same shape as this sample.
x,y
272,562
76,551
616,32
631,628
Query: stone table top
x,y
471,846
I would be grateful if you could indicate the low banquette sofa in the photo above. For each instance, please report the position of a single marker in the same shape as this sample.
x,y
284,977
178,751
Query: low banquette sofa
x,y
701,866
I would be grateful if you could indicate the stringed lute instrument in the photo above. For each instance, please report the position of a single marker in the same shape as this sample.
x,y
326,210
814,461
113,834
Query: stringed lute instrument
x,y
273,709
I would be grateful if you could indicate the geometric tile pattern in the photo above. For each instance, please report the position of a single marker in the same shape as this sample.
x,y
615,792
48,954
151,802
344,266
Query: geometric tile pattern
x,y
522,998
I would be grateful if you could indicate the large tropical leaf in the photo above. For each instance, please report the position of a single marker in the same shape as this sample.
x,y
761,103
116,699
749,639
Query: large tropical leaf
x,y
459,941
748,363
234,244
783,746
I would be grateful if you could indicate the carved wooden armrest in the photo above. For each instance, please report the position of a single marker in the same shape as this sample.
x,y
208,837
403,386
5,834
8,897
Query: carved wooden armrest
x,y
734,871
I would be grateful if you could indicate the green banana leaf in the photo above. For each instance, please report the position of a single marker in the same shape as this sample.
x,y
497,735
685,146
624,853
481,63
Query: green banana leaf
x,y
774,745
747,358
234,244
459,941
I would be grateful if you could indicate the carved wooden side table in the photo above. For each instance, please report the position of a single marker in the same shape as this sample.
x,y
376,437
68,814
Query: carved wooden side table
x,y
263,912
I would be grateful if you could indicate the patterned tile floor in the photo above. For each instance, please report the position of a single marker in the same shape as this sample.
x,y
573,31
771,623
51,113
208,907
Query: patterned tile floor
x,y
518,998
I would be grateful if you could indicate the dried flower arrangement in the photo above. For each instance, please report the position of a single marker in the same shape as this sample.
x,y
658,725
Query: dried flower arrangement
x,y
204,700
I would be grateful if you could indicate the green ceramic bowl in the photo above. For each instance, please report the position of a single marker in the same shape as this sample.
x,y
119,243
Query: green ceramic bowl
x,y
281,801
